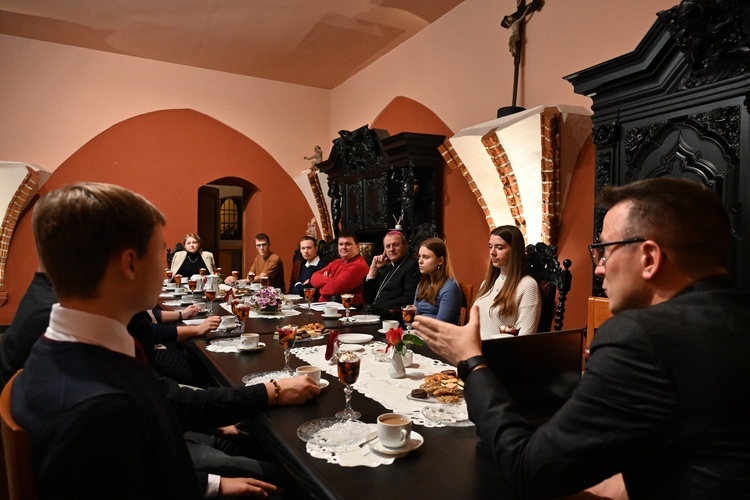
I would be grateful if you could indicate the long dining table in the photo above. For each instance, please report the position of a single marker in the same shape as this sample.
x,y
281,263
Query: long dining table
x,y
451,463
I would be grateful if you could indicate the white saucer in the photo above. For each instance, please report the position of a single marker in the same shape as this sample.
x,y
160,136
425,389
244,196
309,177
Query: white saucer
x,y
383,331
415,441
242,348
328,316
350,348
323,383
355,338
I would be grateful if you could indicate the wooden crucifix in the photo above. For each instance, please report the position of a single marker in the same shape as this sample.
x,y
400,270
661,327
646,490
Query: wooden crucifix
x,y
515,22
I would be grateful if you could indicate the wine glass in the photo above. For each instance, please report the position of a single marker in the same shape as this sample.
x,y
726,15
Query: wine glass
x,y
348,374
346,301
177,279
235,310
265,281
203,271
287,337
191,285
309,296
407,313
168,273
243,311
210,294
236,275
250,277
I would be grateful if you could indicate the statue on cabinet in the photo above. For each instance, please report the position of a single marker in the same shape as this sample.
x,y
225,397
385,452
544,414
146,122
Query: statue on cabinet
x,y
316,158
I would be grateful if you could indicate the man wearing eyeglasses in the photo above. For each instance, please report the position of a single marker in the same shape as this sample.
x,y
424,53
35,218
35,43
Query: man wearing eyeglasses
x,y
266,263
664,398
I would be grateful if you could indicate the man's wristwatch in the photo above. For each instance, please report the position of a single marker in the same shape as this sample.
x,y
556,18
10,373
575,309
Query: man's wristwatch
x,y
467,366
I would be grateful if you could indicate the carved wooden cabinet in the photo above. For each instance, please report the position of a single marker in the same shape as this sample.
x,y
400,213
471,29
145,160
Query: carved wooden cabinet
x,y
375,180
678,106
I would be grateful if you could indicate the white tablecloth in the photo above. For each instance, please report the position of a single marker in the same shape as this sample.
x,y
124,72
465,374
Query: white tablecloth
x,y
375,383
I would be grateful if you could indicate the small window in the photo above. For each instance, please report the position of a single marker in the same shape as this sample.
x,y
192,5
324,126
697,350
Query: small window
x,y
230,219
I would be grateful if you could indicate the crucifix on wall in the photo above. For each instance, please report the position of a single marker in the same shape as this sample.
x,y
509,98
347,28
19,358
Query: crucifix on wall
x,y
515,22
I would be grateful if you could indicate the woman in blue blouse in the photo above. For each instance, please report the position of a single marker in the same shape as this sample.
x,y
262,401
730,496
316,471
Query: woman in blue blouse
x,y
438,294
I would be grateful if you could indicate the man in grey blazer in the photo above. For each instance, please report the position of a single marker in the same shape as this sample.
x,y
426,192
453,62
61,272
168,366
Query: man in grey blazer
x,y
664,398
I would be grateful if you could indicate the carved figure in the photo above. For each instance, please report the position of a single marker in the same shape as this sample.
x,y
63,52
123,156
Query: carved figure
x,y
316,158
312,229
334,192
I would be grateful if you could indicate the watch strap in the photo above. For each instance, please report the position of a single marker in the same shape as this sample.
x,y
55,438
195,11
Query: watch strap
x,y
467,366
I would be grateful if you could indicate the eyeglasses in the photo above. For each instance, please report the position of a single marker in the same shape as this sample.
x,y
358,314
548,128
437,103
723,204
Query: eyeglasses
x,y
597,249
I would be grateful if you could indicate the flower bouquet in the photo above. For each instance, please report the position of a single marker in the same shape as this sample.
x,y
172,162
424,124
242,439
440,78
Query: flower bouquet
x,y
267,300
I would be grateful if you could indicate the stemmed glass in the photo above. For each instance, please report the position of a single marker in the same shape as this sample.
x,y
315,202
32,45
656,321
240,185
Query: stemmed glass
x,y
191,285
265,281
168,273
407,313
177,279
287,337
309,296
243,311
346,301
210,294
348,374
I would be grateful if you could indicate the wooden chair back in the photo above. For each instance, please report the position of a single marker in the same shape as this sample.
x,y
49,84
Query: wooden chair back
x,y
554,284
17,451
467,299
598,313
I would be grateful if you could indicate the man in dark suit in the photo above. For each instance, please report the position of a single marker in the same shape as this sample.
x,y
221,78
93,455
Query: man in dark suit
x,y
308,247
664,398
392,279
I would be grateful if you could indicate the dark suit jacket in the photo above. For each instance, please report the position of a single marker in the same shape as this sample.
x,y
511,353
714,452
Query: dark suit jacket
x,y
305,273
664,400
398,291
29,323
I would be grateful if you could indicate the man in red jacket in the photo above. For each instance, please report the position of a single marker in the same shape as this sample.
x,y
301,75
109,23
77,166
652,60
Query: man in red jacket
x,y
343,275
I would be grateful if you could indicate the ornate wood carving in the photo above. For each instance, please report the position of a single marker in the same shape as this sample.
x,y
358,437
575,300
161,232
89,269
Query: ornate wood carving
x,y
713,35
678,106
375,180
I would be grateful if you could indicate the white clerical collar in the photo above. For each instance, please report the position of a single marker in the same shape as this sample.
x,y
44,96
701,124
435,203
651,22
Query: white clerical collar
x,y
72,325
313,262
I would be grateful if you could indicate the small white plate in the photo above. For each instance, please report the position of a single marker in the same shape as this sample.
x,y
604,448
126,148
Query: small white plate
x,y
415,441
366,318
323,383
290,297
259,347
350,347
329,316
169,295
355,338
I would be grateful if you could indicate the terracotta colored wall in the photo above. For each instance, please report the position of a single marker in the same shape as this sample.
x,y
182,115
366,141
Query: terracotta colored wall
x,y
166,156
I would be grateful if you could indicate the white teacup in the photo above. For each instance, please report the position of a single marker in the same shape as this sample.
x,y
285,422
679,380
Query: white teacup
x,y
331,311
227,322
394,429
250,340
311,371
390,324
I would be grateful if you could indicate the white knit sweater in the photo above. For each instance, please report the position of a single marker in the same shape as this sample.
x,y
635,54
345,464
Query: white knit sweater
x,y
526,318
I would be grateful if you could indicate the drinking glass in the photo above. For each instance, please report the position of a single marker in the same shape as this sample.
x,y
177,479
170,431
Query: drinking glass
x,y
210,294
250,277
168,273
177,279
236,275
309,296
235,310
191,285
408,313
203,271
287,337
243,311
348,374
346,301
265,281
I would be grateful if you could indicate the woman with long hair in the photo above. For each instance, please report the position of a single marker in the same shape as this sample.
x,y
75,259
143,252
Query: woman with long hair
x,y
191,260
438,294
508,298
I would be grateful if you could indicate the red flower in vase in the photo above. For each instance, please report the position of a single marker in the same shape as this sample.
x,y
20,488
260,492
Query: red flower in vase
x,y
396,338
